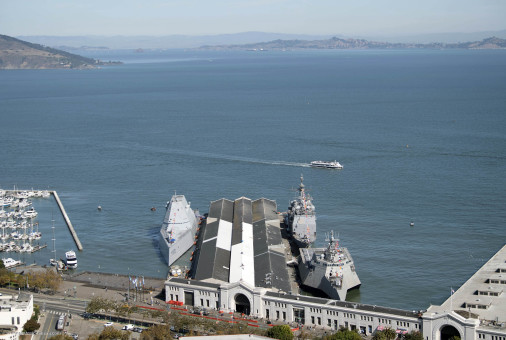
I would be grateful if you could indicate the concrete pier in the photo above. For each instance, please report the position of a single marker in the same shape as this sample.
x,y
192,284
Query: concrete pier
x,y
67,220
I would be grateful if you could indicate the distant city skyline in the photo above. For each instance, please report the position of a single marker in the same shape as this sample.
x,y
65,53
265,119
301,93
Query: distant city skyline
x,y
325,17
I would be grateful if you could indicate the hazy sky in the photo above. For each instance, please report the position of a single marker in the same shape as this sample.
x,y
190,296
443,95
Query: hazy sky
x,y
199,17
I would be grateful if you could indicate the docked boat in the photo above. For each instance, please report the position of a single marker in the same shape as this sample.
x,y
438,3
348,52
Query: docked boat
x,y
327,165
178,231
70,259
330,270
301,219
31,213
10,263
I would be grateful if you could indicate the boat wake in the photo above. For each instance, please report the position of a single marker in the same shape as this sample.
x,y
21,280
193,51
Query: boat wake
x,y
205,155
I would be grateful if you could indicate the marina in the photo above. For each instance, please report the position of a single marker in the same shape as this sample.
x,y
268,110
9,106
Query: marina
x,y
19,228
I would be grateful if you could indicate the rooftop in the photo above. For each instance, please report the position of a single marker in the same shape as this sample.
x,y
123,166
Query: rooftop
x,y
483,294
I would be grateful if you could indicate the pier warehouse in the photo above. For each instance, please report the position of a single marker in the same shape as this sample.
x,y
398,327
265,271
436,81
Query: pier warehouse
x,y
241,266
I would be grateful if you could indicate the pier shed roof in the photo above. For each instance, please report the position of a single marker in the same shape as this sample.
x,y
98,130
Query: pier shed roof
x,y
242,241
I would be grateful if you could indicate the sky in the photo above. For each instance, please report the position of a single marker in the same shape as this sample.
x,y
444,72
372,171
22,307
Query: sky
x,y
210,17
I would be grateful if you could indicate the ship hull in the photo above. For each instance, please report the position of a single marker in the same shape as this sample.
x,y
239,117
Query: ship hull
x,y
316,277
178,231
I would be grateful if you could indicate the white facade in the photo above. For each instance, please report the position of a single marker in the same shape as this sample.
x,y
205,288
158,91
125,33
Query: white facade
x,y
328,313
15,311
264,303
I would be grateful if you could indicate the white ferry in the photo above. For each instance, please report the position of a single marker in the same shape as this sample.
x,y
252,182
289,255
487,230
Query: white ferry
x,y
71,259
328,165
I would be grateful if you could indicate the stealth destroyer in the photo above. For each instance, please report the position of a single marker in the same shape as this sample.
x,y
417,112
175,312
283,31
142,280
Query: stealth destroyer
x,y
179,227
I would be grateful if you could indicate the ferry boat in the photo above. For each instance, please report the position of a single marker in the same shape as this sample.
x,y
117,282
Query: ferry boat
x,y
71,259
327,165
179,228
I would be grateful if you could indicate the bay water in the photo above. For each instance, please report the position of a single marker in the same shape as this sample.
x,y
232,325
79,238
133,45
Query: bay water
x,y
421,135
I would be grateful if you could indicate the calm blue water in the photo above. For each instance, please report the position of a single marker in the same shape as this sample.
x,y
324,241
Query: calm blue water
x,y
421,135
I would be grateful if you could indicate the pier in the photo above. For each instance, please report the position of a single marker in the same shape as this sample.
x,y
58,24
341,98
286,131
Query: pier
x,y
67,220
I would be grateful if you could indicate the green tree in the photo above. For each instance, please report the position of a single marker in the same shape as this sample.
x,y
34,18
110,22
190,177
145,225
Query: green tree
x,y
31,325
99,303
113,333
390,333
157,332
61,337
379,335
281,332
344,334
414,335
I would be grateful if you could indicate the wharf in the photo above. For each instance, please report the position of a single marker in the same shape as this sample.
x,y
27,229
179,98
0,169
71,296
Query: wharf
x,y
67,220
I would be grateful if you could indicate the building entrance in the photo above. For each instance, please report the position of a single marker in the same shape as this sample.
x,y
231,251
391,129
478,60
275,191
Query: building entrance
x,y
242,304
448,332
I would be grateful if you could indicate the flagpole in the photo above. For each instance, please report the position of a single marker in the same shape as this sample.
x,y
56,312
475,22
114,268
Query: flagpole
x,y
451,299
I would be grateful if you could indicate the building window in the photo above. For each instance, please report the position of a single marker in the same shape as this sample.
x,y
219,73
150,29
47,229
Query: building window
x,y
284,316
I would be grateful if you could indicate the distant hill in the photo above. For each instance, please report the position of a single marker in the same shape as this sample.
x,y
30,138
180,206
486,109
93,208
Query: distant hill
x,y
98,42
72,43
19,54
338,43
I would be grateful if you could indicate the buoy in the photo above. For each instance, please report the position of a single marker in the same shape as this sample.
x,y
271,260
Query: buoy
x,y
99,208
153,209
191,258
412,224
195,242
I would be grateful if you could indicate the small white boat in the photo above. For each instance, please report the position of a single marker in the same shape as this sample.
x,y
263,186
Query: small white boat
x,y
327,165
71,259
10,262
31,213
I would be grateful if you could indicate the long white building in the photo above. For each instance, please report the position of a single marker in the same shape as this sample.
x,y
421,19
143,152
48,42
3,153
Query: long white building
x,y
257,283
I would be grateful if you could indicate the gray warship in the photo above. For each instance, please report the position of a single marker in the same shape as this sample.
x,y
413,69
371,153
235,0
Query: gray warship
x,y
301,219
179,227
330,270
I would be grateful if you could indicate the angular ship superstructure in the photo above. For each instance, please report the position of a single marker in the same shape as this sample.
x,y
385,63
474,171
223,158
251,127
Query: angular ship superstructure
x,y
330,270
301,219
178,230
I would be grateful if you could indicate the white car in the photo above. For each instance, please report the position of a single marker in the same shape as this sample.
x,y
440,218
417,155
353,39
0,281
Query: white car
x,y
128,327
108,324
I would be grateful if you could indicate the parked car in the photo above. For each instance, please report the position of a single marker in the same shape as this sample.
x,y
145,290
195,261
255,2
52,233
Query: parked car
x,y
108,324
128,327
